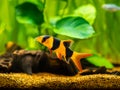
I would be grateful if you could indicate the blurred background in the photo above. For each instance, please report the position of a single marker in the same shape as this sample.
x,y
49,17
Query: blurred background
x,y
103,16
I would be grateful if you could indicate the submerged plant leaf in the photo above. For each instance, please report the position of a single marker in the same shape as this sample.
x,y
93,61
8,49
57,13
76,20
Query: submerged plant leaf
x,y
86,11
29,13
99,61
75,27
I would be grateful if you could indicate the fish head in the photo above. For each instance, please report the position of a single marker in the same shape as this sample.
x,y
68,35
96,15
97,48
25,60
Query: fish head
x,y
39,39
46,40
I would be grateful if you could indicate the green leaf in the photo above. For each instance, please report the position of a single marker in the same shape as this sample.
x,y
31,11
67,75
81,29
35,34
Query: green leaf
x,y
99,61
29,13
75,27
86,11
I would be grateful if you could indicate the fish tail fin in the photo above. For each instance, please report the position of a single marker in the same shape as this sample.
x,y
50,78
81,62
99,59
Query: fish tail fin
x,y
76,59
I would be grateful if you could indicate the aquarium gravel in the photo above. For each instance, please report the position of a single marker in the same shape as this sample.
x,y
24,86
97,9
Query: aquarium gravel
x,y
52,81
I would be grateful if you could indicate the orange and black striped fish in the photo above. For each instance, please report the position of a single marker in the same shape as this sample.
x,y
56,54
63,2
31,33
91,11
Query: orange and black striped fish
x,y
62,50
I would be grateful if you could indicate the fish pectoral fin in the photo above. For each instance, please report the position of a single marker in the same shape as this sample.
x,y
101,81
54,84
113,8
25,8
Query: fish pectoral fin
x,y
50,52
59,56
67,60
67,43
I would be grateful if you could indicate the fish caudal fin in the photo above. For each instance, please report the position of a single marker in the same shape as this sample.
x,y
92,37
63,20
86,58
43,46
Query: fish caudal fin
x,y
76,59
78,64
84,55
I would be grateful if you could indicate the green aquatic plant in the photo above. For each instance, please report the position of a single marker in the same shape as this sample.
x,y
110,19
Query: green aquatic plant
x,y
99,61
29,13
101,24
88,12
75,27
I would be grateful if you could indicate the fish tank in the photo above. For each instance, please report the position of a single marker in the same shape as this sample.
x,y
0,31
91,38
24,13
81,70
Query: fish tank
x,y
46,44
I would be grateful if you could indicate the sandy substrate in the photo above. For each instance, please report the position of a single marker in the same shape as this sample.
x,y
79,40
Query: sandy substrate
x,y
52,81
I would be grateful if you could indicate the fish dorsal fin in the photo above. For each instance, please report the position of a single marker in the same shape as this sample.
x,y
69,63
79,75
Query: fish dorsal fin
x,y
67,43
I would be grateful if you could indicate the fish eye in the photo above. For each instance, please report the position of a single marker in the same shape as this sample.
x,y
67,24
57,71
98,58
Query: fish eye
x,y
45,38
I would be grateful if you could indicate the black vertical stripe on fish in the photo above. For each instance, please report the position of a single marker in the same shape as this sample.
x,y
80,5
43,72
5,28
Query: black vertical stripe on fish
x,y
66,44
69,53
56,44
45,38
